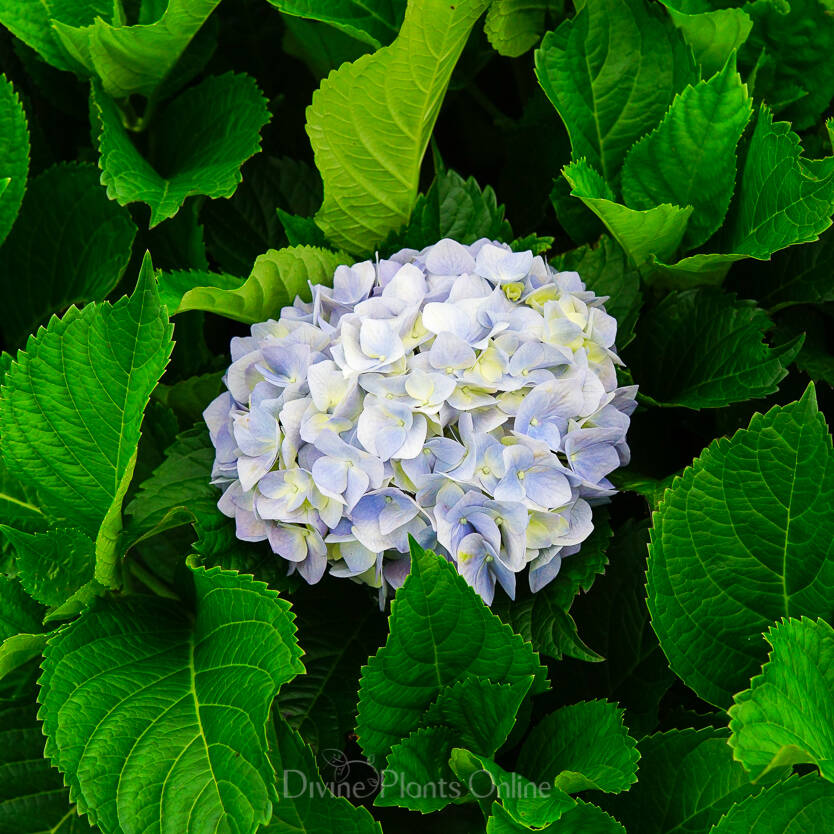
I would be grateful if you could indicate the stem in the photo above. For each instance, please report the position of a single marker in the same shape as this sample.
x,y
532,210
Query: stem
x,y
151,581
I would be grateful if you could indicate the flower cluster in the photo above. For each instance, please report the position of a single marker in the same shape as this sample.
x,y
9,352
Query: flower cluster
x,y
464,395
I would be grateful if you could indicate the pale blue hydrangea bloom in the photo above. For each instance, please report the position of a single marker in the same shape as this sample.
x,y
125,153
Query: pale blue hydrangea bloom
x,y
463,395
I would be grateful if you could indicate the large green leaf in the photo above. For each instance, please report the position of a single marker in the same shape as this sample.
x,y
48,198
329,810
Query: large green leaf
x,y
800,805
14,153
71,410
544,617
135,59
656,232
604,268
704,348
32,23
783,198
690,158
305,804
611,72
33,799
278,277
713,34
53,565
157,718
375,23
440,632
688,780
199,142
69,245
785,716
515,26
370,122
581,747
743,538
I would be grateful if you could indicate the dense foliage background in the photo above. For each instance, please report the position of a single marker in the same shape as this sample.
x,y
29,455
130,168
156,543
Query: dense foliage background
x,y
170,173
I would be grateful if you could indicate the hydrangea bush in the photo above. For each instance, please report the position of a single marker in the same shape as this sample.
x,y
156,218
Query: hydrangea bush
x,y
413,417
463,395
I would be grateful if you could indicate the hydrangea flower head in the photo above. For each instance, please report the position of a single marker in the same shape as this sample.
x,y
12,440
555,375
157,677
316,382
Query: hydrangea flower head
x,y
463,395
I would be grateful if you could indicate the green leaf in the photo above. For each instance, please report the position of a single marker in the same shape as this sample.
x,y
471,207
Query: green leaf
x,y
614,620
33,799
704,348
455,208
612,72
798,805
543,618
605,269
321,705
695,271
515,26
150,711
583,818
690,158
581,747
656,232
783,198
69,245
480,712
14,156
313,809
370,123
71,410
52,566
301,231
419,763
174,285
246,225
525,804
713,34
279,276
784,718
135,59
440,631
764,495
688,780
375,24
32,23
183,480
199,142
18,504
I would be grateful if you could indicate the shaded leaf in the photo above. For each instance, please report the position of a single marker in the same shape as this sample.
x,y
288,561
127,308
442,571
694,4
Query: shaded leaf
x,y
581,747
704,348
69,245
14,145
